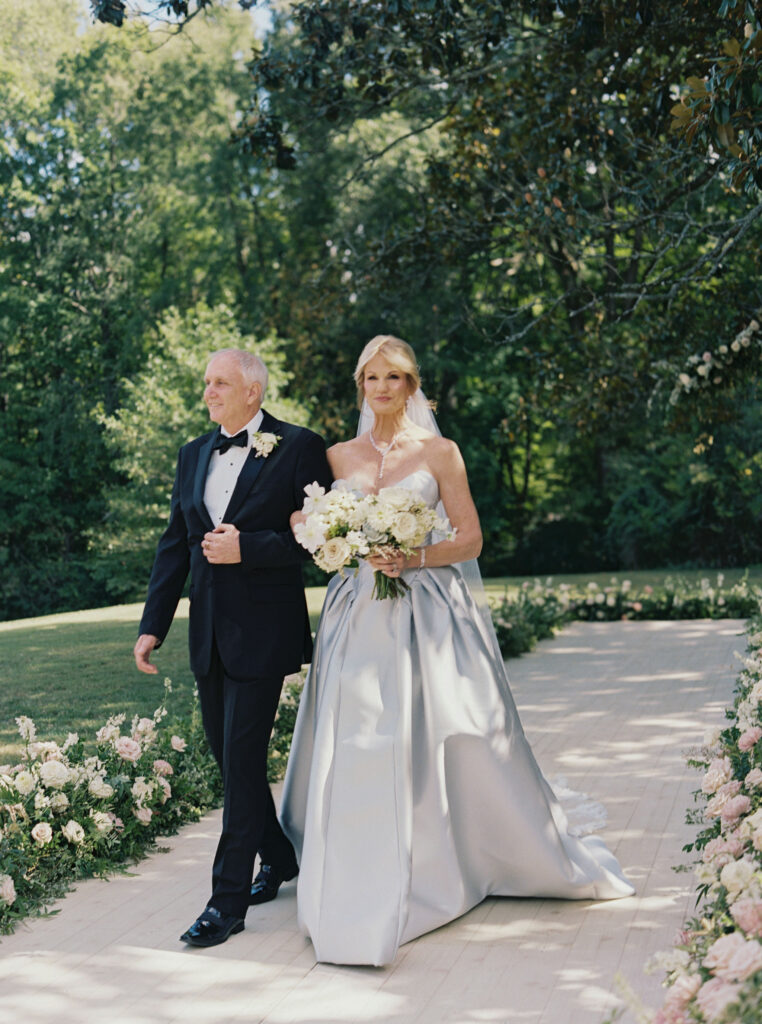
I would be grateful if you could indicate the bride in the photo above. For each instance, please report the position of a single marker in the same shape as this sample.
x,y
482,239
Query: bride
x,y
411,792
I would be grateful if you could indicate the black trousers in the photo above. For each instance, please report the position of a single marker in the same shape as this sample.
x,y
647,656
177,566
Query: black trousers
x,y
238,716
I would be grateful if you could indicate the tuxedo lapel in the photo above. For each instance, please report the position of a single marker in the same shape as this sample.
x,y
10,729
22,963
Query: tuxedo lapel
x,y
199,482
252,467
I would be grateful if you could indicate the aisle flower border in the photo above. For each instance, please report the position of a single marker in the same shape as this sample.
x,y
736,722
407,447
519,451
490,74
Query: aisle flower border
x,y
714,970
68,812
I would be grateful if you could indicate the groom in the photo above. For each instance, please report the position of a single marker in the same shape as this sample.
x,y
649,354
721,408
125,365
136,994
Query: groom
x,y
234,492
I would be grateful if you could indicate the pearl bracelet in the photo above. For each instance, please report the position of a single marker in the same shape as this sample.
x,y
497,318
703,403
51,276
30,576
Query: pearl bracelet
x,y
423,557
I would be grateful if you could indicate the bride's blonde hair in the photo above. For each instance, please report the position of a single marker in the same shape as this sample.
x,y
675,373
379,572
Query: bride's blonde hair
x,y
394,351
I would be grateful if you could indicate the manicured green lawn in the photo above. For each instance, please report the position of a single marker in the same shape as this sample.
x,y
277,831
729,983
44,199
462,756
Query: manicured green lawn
x,y
70,672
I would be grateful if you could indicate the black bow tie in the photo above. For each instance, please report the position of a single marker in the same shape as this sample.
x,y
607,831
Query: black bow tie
x,y
240,440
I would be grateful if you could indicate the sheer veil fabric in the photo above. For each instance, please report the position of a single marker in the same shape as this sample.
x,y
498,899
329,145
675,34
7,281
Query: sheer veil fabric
x,y
411,791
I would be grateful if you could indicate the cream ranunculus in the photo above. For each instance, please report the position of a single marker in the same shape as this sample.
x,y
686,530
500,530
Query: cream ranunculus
x,y
24,782
73,832
42,833
334,554
54,775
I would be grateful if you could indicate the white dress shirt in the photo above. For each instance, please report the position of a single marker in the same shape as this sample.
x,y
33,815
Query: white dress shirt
x,y
223,473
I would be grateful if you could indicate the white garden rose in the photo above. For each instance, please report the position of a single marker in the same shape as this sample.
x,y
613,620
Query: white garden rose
x,y
740,879
59,802
334,554
54,775
405,527
24,782
99,788
73,832
42,833
142,790
396,497
101,820
7,889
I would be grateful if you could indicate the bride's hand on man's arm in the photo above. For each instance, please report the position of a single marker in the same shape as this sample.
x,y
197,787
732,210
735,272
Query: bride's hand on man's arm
x,y
296,518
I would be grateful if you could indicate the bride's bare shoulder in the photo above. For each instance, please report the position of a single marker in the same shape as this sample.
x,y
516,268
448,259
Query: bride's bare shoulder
x,y
342,455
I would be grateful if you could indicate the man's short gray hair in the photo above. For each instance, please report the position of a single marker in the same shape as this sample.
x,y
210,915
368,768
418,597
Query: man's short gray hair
x,y
252,367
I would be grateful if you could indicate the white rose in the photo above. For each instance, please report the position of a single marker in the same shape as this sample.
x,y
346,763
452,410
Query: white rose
x,y
739,878
396,497
24,782
42,833
99,788
59,802
334,554
73,832
41,802
7,889
405,527
27,732
54,775
142,790
101,820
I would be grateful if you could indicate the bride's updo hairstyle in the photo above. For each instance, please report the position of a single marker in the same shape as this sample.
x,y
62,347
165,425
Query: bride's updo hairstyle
x,y
394,351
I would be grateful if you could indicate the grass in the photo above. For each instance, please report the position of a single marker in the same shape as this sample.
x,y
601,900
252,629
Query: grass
x,y
70,671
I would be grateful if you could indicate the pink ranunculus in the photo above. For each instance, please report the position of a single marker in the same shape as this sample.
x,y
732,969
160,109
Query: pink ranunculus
x,y
178,744
715,996
735,808
162,767
127,748
143,814
747,914
749,738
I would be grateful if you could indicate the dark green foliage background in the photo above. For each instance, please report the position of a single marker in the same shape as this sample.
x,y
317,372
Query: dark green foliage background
x,y
507,185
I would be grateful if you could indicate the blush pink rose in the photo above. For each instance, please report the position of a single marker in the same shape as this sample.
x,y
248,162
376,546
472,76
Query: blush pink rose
x,y
735,808
754,779
178,744
749,739
722,951
745,962
715,996
127,748
747,914
162,767
143,814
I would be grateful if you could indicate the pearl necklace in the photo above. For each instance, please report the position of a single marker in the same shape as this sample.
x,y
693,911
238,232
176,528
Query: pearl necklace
x,y
383,452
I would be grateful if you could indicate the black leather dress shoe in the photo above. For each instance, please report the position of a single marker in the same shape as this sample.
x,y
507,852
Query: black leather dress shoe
x,y
212,928
267,882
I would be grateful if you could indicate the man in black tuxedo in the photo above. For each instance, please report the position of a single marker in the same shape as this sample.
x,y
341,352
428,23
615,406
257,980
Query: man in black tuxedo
x,y
235,490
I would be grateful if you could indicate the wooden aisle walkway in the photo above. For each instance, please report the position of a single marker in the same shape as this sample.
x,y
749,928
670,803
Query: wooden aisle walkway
x,y
610,707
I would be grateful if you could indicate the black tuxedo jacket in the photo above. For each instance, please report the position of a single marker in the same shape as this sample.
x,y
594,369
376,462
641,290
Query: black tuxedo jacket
x,y
255,611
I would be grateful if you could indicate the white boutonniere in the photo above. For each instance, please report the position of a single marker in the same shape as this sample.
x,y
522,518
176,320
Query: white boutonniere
x,y
263,443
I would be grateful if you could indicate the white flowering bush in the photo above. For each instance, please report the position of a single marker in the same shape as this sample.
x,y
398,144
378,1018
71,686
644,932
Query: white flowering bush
x,y
714,972
67,812
343,525
540,607
709,369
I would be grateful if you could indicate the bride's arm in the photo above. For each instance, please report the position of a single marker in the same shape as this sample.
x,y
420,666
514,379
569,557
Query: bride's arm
x,y
450,472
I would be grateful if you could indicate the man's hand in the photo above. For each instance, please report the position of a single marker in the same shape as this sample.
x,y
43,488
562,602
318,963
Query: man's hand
x,y
144,646
222,547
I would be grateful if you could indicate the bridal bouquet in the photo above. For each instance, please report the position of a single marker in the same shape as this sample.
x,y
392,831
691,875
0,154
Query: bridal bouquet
x,y
343,525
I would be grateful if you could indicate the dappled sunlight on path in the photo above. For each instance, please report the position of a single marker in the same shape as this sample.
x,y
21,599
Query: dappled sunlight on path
x,y
609,708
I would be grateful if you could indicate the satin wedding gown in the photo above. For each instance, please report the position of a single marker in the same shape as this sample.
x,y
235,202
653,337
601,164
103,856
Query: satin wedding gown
x,y
411,792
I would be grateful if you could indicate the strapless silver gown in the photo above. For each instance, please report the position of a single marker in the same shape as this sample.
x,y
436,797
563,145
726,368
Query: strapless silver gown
x,y
411,791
